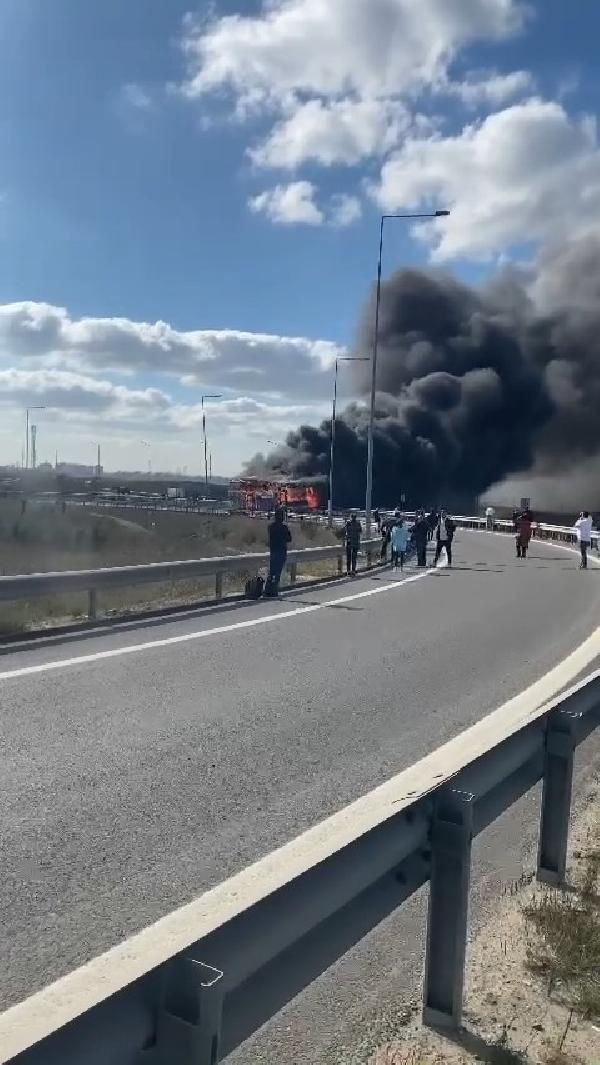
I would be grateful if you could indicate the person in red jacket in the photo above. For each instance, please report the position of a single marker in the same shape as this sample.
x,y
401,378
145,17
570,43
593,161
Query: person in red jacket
x,y
524,525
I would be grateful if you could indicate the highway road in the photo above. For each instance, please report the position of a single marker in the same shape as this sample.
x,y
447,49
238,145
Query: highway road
x,y
145,764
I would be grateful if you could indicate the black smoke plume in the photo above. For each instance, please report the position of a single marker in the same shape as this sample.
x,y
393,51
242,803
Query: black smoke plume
x,y
474,385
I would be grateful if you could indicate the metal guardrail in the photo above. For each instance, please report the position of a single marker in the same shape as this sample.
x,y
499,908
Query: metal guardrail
x,y
93,581
162,998
35,585
540,530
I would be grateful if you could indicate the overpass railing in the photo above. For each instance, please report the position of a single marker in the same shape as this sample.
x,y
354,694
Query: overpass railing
x,y
194,986
93,581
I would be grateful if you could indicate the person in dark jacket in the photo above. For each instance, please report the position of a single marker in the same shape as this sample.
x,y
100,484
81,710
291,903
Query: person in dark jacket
x,y
279,538
386,535
353,533
419,534
444,535
432,520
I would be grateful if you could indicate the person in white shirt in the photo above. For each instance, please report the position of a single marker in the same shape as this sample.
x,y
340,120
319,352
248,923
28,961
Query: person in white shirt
x,y
584,534
490,514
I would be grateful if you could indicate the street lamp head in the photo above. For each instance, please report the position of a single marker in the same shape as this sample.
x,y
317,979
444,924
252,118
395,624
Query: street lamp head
x,y
442,214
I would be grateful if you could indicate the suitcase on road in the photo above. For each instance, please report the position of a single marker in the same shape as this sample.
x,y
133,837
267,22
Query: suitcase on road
x,y
254,588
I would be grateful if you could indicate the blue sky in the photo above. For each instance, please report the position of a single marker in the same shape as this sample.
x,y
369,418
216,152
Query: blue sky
x,y
162,162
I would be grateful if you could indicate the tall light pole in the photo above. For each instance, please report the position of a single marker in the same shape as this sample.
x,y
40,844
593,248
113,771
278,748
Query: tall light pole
x,y
207,395
27,410
369,495
341,358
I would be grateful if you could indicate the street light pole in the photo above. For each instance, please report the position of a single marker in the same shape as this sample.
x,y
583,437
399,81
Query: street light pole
x,y
27,409
369,493
341,358
206,396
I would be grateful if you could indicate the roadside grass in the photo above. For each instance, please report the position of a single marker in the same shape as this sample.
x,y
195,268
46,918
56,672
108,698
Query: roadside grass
x,y
563,945
44,539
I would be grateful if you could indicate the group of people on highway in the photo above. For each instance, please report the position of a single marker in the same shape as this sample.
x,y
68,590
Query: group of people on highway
x,y
523,523
396,534
402,538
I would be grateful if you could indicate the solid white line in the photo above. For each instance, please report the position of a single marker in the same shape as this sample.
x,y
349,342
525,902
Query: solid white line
x,y
32,1020
265,619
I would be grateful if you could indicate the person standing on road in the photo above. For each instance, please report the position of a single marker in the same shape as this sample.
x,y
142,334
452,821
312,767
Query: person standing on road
x,y
279,538
386,533
399,541
420,531
490,514
432,520
353,533
444,535
524,525
584,525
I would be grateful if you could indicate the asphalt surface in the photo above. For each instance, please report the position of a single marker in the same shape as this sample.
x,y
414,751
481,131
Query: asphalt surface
x,y
133,781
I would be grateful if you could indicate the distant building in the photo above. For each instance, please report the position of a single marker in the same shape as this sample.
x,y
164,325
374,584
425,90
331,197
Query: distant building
x,y
76,469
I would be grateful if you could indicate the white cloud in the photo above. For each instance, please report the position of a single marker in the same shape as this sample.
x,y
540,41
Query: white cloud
x,y
373,48
72,392
294,204
338,131
345,210
338,80
289,204
494,89
80,408
526,173
39,334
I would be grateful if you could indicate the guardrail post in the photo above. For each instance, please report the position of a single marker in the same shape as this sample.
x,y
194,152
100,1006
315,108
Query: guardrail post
x,y
218,586
293,572
188,1028
561,739
92,603
451,838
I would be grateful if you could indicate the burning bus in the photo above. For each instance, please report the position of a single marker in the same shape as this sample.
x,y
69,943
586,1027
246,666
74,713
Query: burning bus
x,y
258,495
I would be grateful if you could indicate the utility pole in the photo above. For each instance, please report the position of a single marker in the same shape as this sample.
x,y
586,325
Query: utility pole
x,y
206,396
33,446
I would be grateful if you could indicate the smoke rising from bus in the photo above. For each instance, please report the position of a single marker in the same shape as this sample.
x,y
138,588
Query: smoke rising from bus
x,y
474,384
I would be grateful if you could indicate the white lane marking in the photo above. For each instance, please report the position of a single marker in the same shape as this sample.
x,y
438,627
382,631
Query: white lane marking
x,y
201,634
30,1021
